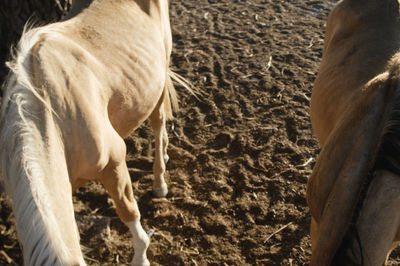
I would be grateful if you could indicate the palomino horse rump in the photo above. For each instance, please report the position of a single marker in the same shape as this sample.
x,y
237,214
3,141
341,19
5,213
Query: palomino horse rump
x,y
75,90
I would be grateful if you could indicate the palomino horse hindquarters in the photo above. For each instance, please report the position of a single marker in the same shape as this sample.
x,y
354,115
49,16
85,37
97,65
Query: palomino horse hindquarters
x,y
76,89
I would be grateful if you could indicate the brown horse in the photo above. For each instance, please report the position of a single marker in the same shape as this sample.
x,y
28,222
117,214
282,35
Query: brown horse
x,y
75,90
354,190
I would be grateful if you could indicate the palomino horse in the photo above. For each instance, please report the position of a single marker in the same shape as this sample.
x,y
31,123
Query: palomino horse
x,y
75,90
354,190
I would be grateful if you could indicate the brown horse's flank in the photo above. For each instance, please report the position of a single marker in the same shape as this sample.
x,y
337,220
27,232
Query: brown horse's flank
x,y
355,186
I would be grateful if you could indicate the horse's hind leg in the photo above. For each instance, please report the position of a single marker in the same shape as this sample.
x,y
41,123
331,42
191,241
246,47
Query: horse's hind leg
x,y
157,121
116,180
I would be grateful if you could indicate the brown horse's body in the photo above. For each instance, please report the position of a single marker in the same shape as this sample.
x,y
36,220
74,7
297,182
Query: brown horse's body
x,y
354,191
77,88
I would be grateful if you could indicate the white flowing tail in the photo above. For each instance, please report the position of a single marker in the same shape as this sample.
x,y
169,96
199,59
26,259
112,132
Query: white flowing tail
x,y
35,173
171,99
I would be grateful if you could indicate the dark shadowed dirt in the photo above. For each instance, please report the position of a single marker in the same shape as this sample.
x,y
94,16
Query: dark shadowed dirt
x,y
239,157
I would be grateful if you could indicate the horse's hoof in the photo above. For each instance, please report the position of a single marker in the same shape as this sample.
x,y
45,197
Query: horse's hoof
x,y
140,262
166,158
161,191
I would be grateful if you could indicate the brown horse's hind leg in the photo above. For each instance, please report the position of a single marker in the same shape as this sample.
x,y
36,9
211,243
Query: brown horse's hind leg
x,y
157,120
117,182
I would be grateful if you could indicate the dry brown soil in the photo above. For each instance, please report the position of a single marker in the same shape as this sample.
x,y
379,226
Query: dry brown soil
x,y
240,155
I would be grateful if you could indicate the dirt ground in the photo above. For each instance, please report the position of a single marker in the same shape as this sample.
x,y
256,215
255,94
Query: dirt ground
x,y
240,155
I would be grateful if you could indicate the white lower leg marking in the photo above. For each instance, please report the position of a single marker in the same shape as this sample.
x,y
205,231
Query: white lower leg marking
x,y
141,242
161,191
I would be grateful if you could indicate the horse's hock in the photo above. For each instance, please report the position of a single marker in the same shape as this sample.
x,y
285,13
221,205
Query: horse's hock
x,y
15,13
